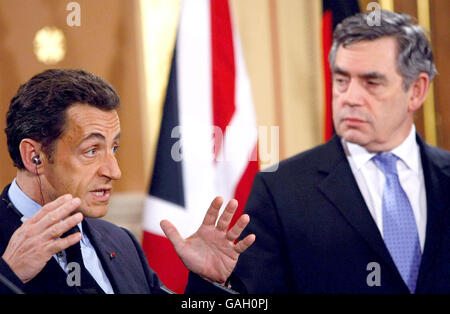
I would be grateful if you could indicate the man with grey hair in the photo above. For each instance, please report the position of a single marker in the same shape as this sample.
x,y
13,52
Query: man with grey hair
x,y
369,211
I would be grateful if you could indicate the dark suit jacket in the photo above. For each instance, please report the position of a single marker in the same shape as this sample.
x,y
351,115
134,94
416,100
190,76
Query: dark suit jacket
x,y
315,234
128,272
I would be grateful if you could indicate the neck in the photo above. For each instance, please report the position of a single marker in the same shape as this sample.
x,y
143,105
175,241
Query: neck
x,y
400,136
30,185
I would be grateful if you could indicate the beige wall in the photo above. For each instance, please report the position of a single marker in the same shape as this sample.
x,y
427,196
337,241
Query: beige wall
x,y
104,44
282,50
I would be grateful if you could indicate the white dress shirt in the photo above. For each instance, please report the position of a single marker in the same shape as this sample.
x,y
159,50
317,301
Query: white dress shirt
x,y
370,179
27,207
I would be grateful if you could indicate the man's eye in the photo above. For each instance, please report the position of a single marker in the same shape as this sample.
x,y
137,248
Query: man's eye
x,y
341,83
91,152
115,148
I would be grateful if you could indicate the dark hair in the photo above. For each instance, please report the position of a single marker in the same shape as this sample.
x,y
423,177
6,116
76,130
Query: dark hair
x,y
414,53
38,109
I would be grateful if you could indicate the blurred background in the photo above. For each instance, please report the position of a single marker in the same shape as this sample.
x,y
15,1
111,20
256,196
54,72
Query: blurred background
x,y
130,44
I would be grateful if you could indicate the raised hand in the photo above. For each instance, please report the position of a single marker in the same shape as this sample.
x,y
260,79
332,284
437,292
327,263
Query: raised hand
x,y
211,252
34,243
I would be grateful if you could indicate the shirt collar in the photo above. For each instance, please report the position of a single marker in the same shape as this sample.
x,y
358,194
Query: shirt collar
x,y
24,204
407,151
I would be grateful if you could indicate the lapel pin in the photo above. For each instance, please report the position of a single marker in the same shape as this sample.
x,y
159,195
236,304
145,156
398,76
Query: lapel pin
x,y
112,255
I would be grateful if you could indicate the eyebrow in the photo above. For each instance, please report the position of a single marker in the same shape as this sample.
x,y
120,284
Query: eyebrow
x,y
374,76
338,70
100,136
367,76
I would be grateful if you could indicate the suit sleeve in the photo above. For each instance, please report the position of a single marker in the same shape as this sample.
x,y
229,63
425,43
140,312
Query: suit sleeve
x,y
198,285
155,285
9,282
262,268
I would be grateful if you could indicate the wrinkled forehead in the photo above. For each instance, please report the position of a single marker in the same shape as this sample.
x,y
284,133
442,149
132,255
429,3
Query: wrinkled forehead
x,y
83,120
378,55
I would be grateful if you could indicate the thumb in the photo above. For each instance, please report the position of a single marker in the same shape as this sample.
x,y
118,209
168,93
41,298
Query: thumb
x,y
171,233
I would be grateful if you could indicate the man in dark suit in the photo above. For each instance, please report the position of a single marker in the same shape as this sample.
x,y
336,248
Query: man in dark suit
x,y
63,131
369,211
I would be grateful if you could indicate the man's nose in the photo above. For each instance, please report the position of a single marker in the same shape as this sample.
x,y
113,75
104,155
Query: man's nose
x,y
110,168
354,95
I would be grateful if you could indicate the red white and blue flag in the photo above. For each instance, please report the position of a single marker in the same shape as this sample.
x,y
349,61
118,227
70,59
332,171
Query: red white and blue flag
x,y
208,138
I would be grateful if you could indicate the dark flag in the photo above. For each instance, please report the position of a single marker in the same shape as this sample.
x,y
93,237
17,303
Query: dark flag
x,y
334,12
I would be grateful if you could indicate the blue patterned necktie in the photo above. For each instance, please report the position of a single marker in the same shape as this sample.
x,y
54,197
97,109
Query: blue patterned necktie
x,y
399,226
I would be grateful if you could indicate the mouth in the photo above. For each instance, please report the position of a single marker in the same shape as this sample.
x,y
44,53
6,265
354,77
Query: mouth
x,y
101,195
353,121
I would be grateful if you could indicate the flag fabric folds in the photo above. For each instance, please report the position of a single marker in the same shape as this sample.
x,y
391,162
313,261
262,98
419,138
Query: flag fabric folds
x,y
334,12
208,138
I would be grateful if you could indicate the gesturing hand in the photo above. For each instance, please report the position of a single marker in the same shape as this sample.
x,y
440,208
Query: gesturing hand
x,y
211,252
34,243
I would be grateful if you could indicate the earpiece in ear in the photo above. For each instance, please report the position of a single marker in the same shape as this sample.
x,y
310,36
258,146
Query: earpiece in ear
x,y
36,160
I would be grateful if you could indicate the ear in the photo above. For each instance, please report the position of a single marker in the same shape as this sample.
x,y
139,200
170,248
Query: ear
x,y
418,91
28,149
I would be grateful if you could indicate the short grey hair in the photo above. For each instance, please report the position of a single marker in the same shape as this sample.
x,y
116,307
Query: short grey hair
x,y
414,53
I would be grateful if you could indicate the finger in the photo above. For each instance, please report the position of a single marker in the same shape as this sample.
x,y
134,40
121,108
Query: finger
x,y
213,212
57,215
238,227
244,244
56,230
49,207
60,244
171,233
227,215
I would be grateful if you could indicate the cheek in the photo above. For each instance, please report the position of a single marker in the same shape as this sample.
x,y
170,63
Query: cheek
x,y
336,107
83,179
391,113
64,182
72,179
59,182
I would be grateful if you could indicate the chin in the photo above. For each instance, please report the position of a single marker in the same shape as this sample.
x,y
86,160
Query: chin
x,y
355,140
95,211
353,136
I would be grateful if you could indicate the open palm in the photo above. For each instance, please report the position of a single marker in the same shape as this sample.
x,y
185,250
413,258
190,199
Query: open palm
x,y
211,252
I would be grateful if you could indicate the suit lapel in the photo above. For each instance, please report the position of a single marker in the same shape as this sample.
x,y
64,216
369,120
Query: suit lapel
x,y
9,220
340,188
437,185
110,257
52,278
